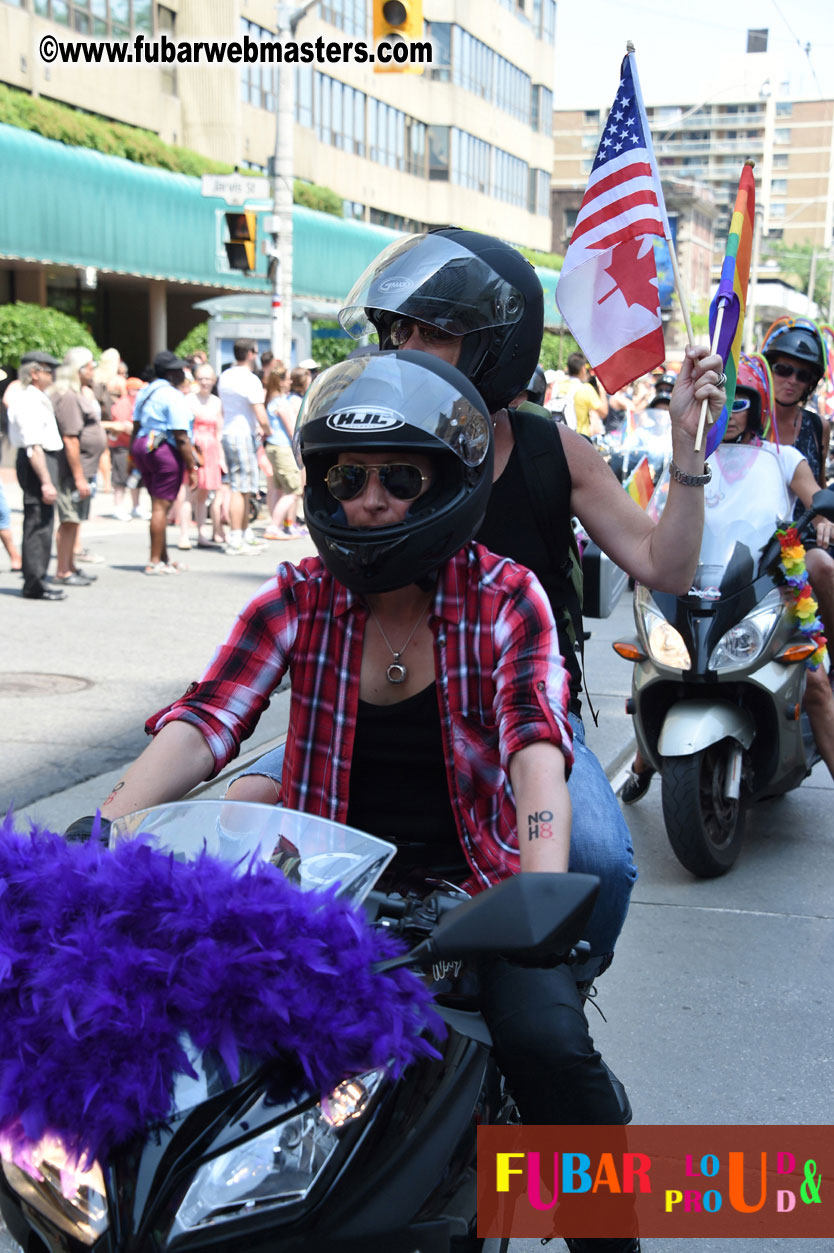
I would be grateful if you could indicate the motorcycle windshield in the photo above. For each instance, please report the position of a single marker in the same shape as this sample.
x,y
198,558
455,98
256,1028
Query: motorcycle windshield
x,y
314,853
743,504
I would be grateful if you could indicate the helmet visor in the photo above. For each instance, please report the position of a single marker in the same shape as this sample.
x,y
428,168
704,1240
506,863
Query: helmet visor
x,y
382,401
431,279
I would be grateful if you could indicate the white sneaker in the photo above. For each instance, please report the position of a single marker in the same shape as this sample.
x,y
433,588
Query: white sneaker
x,y
143,515
121,515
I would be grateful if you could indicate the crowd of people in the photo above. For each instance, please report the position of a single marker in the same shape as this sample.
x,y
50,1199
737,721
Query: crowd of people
x,y
198,446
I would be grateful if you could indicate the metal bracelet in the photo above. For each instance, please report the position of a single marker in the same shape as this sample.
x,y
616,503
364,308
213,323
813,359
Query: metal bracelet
x,y
690,480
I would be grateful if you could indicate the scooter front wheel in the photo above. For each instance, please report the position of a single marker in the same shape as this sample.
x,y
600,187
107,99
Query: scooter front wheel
x,y
704,826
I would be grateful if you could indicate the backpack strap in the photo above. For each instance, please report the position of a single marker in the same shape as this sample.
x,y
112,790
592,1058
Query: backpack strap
x,y
543,467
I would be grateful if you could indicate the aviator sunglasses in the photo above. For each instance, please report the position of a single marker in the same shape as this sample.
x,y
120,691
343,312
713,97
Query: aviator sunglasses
x,y
785,371
402,480
401,330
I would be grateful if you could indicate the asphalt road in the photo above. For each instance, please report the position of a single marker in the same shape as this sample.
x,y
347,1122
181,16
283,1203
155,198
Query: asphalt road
x,y
720,1003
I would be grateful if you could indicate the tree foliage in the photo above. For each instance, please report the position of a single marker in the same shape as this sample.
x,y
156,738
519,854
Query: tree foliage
x,y
330,351
195,341
556,348
793,266
24,327
116,139
549,260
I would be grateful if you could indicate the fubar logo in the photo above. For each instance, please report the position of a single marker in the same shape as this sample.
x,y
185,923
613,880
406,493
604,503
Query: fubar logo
x,y
364,420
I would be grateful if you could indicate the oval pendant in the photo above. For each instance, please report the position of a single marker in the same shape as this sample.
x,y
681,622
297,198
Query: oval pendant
x,y
396,672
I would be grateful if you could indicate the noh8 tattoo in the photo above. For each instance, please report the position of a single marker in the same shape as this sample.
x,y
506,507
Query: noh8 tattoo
x,y
540,825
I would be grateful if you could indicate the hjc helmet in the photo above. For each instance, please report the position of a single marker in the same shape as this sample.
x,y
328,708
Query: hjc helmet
x,y
799,338
755,385
466,284
409,401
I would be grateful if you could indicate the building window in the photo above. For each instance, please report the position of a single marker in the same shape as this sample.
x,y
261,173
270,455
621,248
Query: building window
x,y
258,83
95,17
471,64
509,178
440,35
415,147
778,210
541,109
386,135
538,195
778,187
782,135
780,160
470,161
784,108
304,96
548,27
438,140
348,15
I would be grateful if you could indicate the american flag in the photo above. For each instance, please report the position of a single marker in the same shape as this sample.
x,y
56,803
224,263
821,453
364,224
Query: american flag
x,y
607,290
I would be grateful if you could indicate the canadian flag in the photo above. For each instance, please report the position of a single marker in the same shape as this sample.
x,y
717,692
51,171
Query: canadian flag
x,y
607,291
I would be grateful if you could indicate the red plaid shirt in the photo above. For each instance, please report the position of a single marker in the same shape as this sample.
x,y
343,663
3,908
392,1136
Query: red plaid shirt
x,y
500,685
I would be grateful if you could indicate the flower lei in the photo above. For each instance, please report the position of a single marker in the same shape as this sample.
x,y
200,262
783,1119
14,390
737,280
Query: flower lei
x,y
804,606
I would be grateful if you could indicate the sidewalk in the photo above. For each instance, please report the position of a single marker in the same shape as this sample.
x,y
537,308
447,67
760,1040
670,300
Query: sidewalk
x,y
79,677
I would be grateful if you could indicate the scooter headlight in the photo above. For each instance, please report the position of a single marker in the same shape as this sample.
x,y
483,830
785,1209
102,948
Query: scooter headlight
x,y
664,642
278,1167
746,641
72,1198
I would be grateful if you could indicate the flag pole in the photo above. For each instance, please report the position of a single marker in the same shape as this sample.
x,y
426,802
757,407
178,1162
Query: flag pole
x,y
719,320
684,303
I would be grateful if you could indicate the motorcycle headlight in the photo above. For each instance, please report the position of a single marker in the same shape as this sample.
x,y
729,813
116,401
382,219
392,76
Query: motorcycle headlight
x,y
746,641
278,1167
72,1198
664,642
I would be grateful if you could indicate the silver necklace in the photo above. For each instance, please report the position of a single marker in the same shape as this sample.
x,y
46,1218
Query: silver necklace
x,y
397,672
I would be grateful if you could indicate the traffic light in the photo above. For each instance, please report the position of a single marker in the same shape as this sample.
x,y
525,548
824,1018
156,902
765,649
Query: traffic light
x,y
397,22
240,246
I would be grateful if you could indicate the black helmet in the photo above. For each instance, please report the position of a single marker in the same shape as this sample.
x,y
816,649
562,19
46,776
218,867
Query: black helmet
x,y
537,387
464,283
393,400
800,339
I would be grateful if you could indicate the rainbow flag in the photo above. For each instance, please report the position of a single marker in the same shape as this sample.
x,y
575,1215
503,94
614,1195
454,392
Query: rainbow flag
x,y
732,294
640,483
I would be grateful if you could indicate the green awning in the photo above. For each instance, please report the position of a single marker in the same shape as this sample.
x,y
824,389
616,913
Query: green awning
x,y
61,205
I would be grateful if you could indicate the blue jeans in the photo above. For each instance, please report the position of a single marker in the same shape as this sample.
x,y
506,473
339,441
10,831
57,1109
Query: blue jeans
x,y
600,844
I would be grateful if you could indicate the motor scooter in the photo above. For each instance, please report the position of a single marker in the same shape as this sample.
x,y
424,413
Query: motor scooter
x,y
263,1162
719,673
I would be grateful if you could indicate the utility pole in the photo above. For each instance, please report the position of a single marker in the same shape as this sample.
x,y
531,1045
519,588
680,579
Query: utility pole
x,y
812,279
282,188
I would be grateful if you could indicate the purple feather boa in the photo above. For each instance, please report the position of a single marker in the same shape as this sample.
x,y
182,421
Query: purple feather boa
x,y
108,958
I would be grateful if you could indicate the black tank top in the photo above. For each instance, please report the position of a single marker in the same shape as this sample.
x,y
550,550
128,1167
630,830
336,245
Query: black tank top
x,y
510,529
398,785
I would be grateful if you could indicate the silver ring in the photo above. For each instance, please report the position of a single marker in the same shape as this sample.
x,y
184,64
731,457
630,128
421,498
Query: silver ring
x,y
721,380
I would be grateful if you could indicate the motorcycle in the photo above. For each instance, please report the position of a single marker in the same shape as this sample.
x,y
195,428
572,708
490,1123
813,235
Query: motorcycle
x,y
719,673
263,1161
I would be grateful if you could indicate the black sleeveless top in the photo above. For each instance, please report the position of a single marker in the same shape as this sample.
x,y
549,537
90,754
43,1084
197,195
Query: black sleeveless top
x,y
510,529
398,785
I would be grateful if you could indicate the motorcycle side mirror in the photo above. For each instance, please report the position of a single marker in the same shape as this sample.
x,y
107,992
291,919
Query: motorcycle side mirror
x,y
530,916
822,502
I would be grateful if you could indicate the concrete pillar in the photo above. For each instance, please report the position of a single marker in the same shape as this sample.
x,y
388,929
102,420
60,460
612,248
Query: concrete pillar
x,y
158,316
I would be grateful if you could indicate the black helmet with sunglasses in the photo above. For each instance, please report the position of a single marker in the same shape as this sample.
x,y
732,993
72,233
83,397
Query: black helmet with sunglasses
x,y
454,282
799,339
398,402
